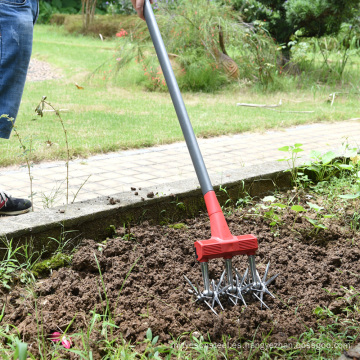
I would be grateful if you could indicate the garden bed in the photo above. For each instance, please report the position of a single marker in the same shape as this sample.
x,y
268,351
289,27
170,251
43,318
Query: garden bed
x,y
135,282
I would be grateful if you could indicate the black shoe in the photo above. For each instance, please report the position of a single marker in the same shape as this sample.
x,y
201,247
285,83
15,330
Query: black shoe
x,y
13,206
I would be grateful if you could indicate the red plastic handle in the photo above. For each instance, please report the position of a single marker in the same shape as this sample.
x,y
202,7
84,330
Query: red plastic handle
x,y
222,243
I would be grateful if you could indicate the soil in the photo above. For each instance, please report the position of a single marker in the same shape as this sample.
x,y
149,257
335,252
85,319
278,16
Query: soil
x,y
142,271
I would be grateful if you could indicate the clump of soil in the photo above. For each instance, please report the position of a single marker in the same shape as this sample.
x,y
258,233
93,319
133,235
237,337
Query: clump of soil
x,y
142,282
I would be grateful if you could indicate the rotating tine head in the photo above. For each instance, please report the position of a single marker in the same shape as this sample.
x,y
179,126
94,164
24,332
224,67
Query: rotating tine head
x,y
258,286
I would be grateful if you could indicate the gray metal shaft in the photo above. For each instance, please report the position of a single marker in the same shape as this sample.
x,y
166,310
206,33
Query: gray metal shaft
x,y
177,100
205,275
230,279
253,271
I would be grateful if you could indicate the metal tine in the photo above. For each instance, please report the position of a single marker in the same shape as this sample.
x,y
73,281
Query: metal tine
x,y
262,303
200,296
247,286
271,279
239,289
238,296
258,278
211,308
266,272
215,296
234,302
197,292
243,279
220,281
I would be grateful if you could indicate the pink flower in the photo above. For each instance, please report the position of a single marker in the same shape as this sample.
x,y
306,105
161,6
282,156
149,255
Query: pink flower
x,y
65,340
121,33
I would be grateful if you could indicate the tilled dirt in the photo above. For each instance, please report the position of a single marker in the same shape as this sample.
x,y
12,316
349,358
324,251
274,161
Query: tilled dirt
x,y
143,286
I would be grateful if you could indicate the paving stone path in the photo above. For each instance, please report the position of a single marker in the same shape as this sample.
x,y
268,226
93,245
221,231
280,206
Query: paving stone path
x,y
117,172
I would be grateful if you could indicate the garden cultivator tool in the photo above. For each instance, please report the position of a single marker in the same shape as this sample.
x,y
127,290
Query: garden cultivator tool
x,y
222,243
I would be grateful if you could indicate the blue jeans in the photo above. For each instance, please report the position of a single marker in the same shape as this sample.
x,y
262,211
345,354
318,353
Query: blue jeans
x,y
17,19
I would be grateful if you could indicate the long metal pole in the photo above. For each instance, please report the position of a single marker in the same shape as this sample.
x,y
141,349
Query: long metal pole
x,y
177,100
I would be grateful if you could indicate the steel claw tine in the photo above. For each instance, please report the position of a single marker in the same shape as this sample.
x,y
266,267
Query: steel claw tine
x,y
262,303
232,296
193,287
239,296
220,281
242,278
218,301
266,271
243,300
269,293
246,287
197,285
225,288
215,295
211,308
268,282
234,302
258,278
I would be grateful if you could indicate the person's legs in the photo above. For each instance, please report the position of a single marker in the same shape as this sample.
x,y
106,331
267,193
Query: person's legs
x,y
17,19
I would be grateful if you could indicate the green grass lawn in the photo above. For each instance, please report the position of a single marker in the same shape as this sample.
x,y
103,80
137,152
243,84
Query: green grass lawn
x,y
111,115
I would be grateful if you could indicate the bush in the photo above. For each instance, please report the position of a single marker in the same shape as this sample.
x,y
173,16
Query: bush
x,y
57,19
105,25
201,32
49,7
199,35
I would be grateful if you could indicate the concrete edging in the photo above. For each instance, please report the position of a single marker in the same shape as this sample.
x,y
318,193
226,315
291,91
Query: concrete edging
x,y
172,202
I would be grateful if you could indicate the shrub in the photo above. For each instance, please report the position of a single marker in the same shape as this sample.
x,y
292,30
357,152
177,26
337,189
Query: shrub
x,y
199,35
105,25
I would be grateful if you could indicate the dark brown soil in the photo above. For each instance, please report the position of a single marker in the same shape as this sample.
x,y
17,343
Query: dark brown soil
x,y
143,276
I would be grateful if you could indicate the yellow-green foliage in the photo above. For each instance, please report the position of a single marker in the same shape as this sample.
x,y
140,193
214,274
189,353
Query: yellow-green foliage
x,y
56,262
106,25
178,226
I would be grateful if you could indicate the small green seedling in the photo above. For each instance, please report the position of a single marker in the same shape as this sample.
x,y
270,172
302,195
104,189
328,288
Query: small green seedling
x,y
318,221
292,158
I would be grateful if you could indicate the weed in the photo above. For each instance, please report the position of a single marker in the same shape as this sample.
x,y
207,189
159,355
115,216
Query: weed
x,y
318,222
17,264
128,236
355,221
227,208
63,243
271,210
111,231
40,111
298,209
324,166
50,199
15,349
292,159
81,186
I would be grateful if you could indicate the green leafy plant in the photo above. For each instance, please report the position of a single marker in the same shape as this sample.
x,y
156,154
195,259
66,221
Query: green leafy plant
x,y
292,159
17,263
318,222
324,166
273,210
